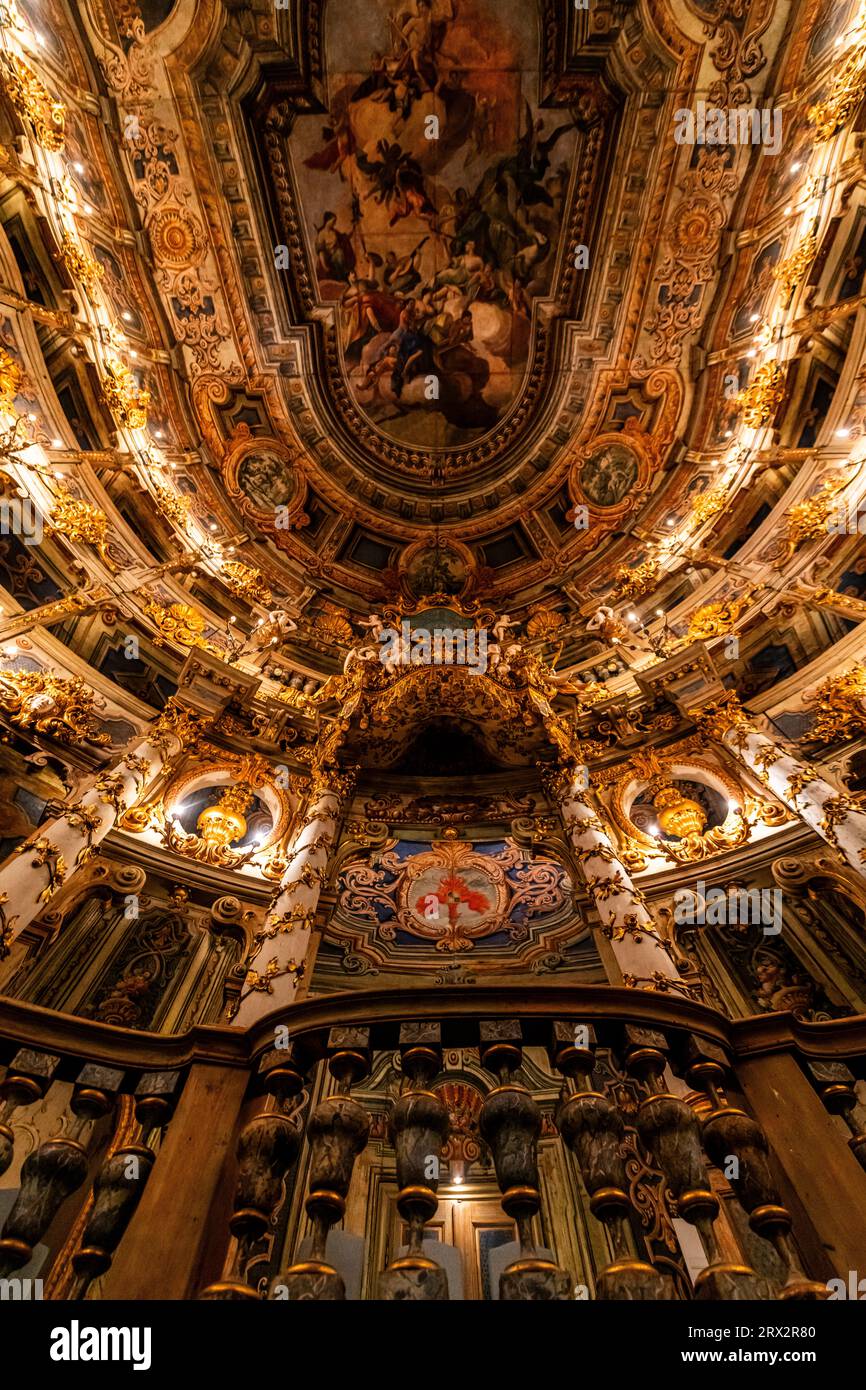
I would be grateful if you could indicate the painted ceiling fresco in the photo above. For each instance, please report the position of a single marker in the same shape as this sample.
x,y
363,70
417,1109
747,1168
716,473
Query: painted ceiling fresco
x,y
433,194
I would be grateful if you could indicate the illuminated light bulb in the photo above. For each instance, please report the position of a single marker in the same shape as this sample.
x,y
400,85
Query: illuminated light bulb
x,y
160,434
32,417
788,210
751,353
660,612
233,619
40,38
753,318
127,316
632,617
57,443
133,353
795,168
213,526
87,210
671,521
842,433
728,434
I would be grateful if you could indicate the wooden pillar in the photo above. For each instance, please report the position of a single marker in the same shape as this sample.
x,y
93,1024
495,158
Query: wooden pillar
x,y
162,1253
823,1185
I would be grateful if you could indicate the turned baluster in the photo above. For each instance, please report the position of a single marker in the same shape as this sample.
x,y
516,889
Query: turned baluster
x,y
593,1128
510,1124
56,1169
122,1178
729,1133
337,1132
27,1080
670,1130
419,1129
834,1083
267,1147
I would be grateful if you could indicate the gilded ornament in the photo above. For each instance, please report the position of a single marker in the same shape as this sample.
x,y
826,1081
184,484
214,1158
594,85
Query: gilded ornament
x,y
709,504
78,520
634,583
790,272
11,379
761,399
32,100
841,706
715,619
246,582
62,708
173,505
47,856
127,402
334,624
180,622
543,621
846,86
80,264
807,520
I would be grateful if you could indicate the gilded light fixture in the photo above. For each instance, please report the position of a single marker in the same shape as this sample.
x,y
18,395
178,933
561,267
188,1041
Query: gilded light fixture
x,y
127,402
225,823
762,397
34,102
678,814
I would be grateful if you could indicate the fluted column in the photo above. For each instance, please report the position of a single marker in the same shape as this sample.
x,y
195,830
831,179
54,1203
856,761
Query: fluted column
x,y
275,965
40,866
627,921
835,816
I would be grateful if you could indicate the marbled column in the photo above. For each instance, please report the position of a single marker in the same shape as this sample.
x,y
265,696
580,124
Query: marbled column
x,y
276,962
39,867
627,922
835,816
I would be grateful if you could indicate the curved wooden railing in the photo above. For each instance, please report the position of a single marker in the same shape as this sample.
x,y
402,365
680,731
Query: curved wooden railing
x,y
137,1183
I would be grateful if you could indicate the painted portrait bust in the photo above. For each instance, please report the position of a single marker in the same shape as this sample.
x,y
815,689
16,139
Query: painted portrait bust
x,y
266,481
608,474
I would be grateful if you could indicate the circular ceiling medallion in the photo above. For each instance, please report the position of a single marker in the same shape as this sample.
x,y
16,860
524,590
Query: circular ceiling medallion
x,y
177,238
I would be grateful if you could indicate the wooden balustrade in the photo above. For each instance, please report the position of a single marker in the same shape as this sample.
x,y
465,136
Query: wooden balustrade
x,y
151,1208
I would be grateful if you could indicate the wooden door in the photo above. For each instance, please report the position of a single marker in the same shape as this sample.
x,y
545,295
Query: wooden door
x,y
475,1225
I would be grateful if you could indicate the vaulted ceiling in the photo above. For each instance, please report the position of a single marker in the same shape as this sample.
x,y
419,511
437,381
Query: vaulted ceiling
x,y
433,297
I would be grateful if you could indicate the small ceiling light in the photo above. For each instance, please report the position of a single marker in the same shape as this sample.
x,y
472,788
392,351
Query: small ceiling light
x,y
40,38
753,318
133,353
788,210
671,521
160,434
213,526
660,612
796,167
87,210
127,316
842,433
78,167
57,443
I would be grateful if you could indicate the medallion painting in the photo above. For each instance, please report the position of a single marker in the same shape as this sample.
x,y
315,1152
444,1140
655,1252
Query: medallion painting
x,y
433,196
